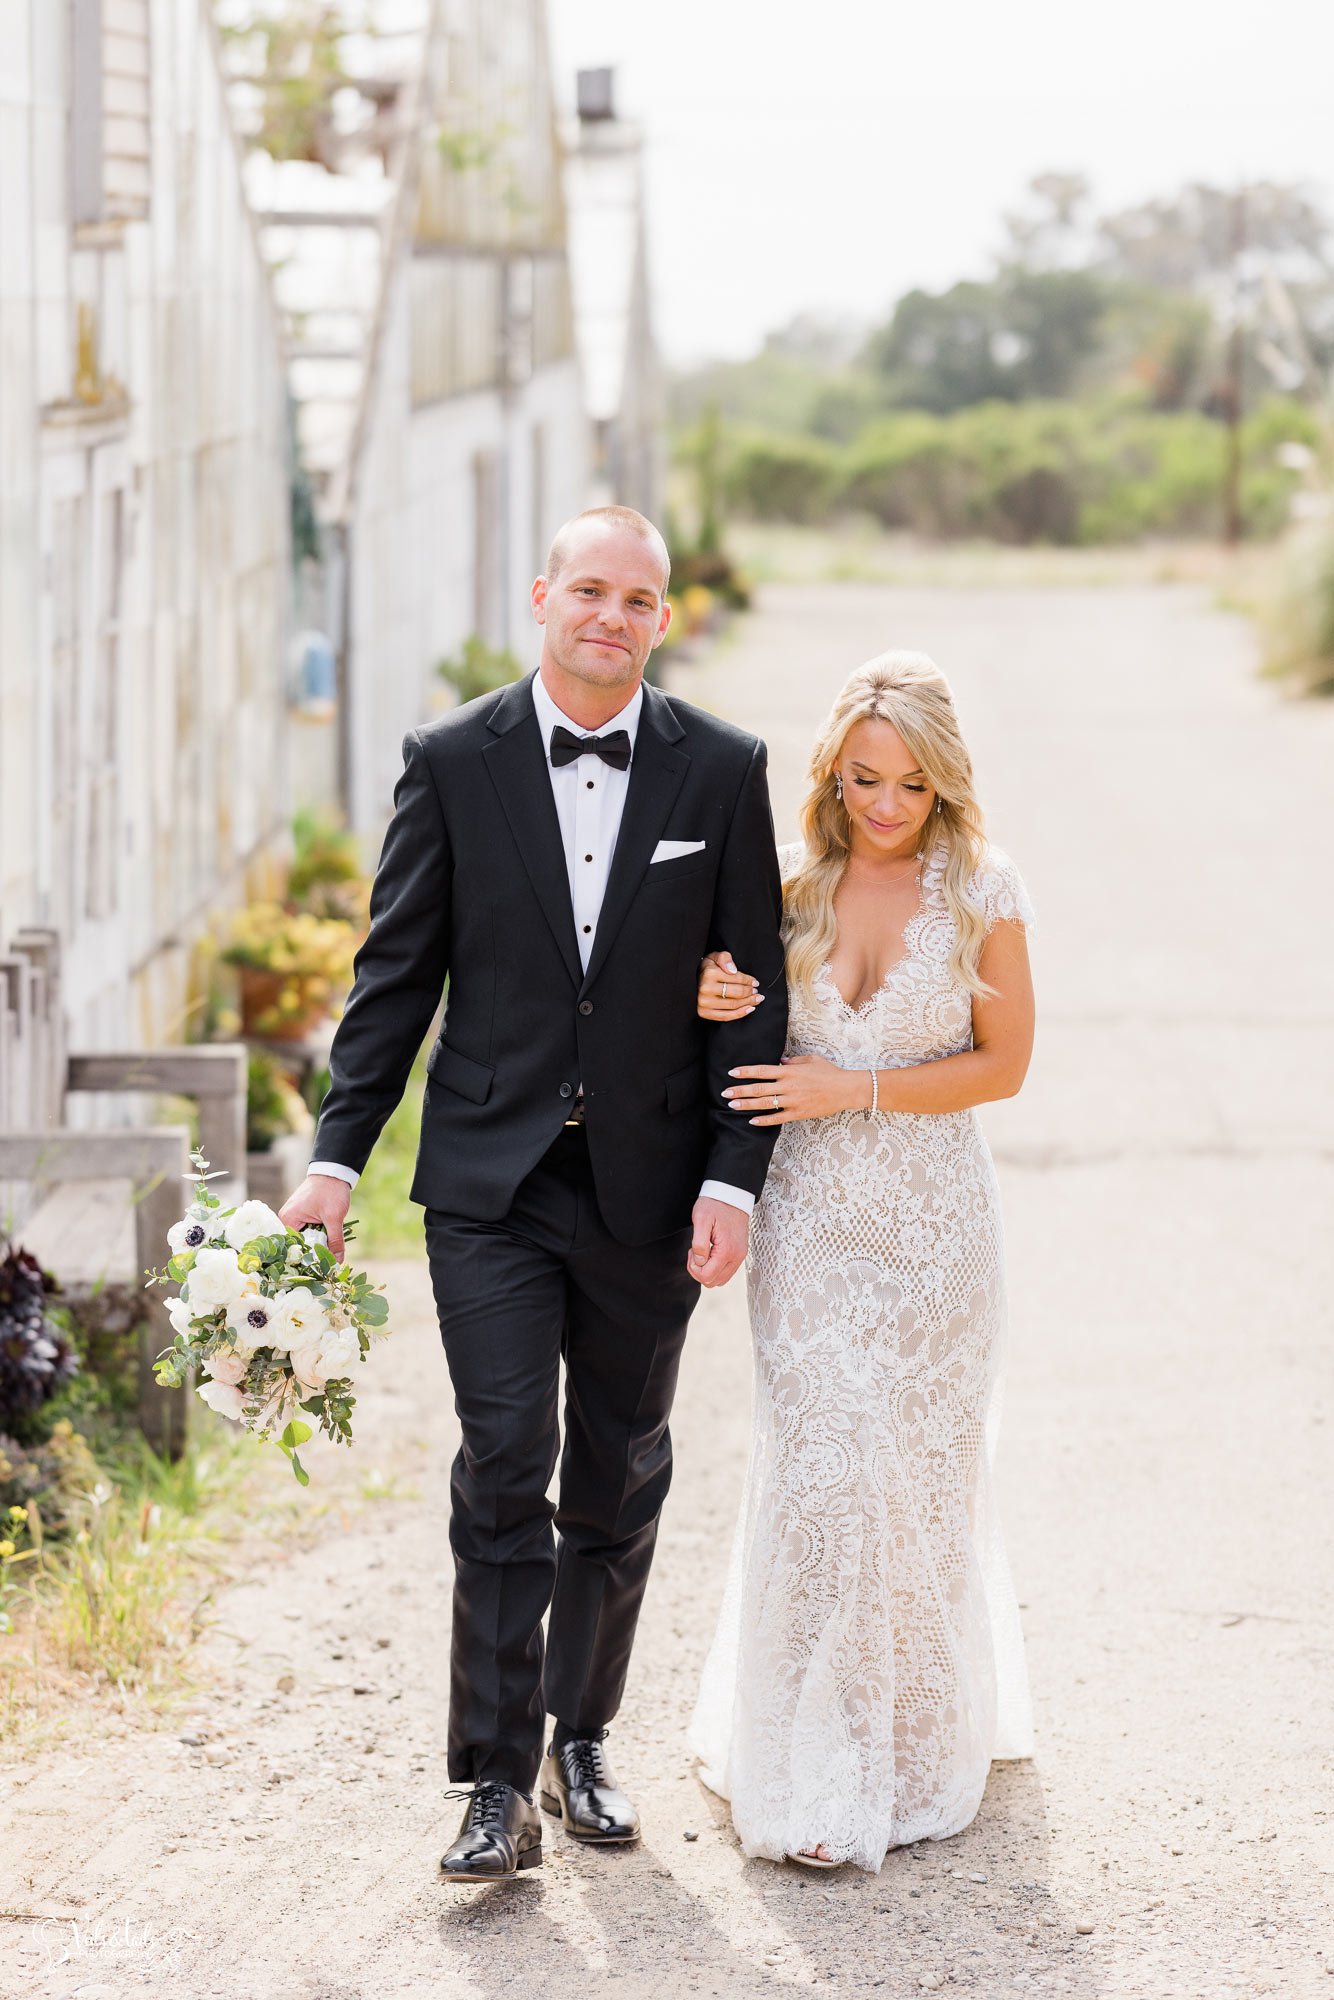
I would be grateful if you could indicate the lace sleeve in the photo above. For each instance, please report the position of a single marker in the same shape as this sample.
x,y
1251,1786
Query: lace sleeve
x,y
789,853
999,888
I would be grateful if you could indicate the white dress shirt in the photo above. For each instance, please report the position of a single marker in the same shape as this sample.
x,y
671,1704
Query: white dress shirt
x,y
590,797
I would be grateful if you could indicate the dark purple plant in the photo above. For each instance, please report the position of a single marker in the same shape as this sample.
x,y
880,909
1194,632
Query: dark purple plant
x,y
36,1359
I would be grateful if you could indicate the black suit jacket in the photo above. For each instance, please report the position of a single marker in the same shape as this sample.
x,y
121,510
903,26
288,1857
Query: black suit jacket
x,y
472,887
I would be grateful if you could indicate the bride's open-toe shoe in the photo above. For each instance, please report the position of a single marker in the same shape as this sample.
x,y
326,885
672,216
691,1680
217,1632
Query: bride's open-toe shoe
x,y
812,1858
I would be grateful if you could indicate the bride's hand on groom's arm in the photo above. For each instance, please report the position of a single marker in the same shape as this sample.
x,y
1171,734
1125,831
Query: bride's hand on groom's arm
x,y
320,1198
724,992
798,1087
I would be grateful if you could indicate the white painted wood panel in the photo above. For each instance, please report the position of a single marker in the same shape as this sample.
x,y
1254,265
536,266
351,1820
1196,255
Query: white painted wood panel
x,y
144,564
126,55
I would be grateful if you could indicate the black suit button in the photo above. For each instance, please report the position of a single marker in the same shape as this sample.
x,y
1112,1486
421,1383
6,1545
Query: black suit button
x,y
585,1006
567,1090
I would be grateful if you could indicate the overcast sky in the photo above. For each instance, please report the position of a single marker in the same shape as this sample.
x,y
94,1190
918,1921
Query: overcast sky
x,y
826,157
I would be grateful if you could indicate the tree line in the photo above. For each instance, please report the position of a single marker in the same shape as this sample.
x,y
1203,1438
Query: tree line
x,y
1105,381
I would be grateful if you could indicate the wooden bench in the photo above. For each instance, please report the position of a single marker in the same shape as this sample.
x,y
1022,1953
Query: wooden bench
x,y
154,1163
94,1207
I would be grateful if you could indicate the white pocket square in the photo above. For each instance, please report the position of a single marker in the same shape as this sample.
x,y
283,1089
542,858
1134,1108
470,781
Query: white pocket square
x,y
672,850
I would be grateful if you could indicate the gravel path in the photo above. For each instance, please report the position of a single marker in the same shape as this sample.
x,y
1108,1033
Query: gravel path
x,y
1169,1179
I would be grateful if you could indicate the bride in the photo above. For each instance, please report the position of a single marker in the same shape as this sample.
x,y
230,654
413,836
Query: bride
x,y
869,1663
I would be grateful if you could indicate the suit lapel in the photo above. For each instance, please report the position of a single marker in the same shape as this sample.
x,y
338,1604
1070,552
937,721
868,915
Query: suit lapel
x,y
657,771
518,767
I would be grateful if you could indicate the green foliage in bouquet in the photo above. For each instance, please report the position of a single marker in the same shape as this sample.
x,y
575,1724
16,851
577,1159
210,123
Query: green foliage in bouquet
x,y
272,1315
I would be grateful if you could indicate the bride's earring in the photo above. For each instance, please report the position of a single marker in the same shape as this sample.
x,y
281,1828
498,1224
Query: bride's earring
x,y
838,786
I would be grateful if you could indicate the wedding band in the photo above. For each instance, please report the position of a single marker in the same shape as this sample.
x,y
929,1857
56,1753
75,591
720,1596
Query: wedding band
x,y
724,989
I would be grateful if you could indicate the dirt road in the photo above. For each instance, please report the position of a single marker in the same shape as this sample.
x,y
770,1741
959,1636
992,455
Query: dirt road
x,y
1169,1181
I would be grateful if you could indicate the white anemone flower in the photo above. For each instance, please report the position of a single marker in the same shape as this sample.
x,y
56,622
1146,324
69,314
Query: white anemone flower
x,y
252,1219
251,1317
187,1234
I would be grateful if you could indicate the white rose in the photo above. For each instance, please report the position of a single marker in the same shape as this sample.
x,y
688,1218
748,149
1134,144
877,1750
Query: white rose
x,y
228,1366
329,1352
308,1366
315,1235
252,1219
295,1320
341,1352
216,1279
224,1397
179,1313
187,1234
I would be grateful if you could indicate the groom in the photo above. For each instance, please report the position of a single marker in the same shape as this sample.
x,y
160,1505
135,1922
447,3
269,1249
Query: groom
x,y
564,852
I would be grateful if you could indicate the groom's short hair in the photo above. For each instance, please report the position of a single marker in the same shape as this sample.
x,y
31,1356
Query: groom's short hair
x,y
611,517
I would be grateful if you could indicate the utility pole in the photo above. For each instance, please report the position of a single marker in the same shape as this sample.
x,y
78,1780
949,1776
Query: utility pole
x,y
1232,522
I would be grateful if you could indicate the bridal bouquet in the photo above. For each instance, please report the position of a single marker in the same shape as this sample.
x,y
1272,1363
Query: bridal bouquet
x,y
272,1315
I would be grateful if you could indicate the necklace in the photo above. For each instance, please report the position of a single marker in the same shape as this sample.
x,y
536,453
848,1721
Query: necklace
x,y
894,881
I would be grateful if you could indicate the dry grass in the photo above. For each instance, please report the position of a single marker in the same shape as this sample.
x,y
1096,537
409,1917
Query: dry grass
x,y
105,1622
858,552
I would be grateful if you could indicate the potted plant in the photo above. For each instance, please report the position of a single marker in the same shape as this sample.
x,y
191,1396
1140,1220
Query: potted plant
x,y
326,877
292,967
278,1129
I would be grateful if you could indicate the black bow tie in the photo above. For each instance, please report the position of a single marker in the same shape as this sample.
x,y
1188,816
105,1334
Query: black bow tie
x,y
613,749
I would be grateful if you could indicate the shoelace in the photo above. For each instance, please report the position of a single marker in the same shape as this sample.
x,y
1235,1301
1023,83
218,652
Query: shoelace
x,y
584,1758
486,1802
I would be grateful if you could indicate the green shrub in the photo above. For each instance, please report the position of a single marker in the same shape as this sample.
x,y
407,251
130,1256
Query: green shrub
x,y
1114,470
324,854
274,1105
903,473
781,478
478,668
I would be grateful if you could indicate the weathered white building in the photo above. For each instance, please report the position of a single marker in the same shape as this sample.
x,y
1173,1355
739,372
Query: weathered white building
x,y
613,315
144,534
425,281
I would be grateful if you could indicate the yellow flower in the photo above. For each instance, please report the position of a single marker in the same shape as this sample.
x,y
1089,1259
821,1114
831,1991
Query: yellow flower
x,y
6,1548
18,1513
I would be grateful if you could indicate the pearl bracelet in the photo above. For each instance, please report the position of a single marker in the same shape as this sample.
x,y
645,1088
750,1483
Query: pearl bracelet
x,y
875,1090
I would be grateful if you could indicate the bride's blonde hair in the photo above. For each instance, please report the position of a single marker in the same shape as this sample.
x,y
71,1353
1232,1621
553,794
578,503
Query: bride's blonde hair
x,y
908,691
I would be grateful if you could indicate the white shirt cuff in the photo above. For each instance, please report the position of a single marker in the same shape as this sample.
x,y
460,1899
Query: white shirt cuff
x,y
721,1191
331,1167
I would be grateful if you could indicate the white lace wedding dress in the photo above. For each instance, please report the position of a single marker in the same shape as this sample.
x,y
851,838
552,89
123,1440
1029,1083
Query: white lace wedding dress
x,y
869,1662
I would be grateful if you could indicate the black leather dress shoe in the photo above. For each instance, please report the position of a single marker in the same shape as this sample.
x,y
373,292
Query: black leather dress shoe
x,y
577,1783
501,1833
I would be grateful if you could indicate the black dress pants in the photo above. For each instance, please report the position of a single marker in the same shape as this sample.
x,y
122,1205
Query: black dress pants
x,y
513,1297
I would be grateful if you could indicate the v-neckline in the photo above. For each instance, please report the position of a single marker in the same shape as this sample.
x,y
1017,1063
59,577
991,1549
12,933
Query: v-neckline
x,y
905,940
